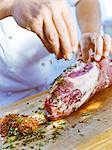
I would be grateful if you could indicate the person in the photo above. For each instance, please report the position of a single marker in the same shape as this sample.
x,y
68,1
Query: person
x,y
28,69
89,17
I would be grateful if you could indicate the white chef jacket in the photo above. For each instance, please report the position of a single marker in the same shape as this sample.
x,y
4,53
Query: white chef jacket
x,y
26,67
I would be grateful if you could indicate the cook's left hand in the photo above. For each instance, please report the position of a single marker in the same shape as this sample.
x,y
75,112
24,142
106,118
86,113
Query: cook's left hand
x,y
95,46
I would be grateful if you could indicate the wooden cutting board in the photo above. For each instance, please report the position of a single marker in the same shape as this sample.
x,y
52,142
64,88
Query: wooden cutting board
x,y
90,128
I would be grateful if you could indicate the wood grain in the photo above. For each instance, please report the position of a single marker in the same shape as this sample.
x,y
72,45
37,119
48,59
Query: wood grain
x,y
90,128
100,142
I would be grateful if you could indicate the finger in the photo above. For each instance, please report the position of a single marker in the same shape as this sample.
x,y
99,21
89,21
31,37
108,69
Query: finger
x,y
37,27
111,45
104,65
106,45
67,17
85,46
65,44
51,33
98,46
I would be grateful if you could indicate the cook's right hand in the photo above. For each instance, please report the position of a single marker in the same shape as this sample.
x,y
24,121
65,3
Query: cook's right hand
x,y
51,20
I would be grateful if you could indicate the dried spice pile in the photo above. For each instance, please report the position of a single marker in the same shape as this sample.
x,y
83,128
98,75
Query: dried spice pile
x,y
15,125
27,129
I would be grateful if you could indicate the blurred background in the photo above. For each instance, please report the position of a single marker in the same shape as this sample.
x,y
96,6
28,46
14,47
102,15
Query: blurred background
x,y
106,12
106,7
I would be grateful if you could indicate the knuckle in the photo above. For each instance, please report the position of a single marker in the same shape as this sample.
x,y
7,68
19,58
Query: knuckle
x,y
44,10
107,37
62,32
84,41
51,38
53,41
94,37
96,34
51,5
85,35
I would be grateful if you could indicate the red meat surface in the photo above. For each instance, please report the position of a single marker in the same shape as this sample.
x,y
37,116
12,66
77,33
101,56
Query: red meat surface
x,y
75,86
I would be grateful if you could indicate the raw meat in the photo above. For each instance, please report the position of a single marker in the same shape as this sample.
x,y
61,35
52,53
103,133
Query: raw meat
x,y
75,86
68,92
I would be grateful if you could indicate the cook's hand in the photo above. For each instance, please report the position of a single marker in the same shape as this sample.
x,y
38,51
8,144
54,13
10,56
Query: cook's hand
x,y
51,20
95,46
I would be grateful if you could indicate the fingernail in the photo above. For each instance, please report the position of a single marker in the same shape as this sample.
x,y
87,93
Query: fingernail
x,y
97,57
68,56
106,54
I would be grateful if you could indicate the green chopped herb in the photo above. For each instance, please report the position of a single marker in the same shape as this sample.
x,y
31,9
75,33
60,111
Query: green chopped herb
x,y
49,123
11,139
27,120
81,134
41,144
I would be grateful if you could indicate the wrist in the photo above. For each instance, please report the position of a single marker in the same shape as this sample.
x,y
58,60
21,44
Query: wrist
x,y
5,8
91,29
